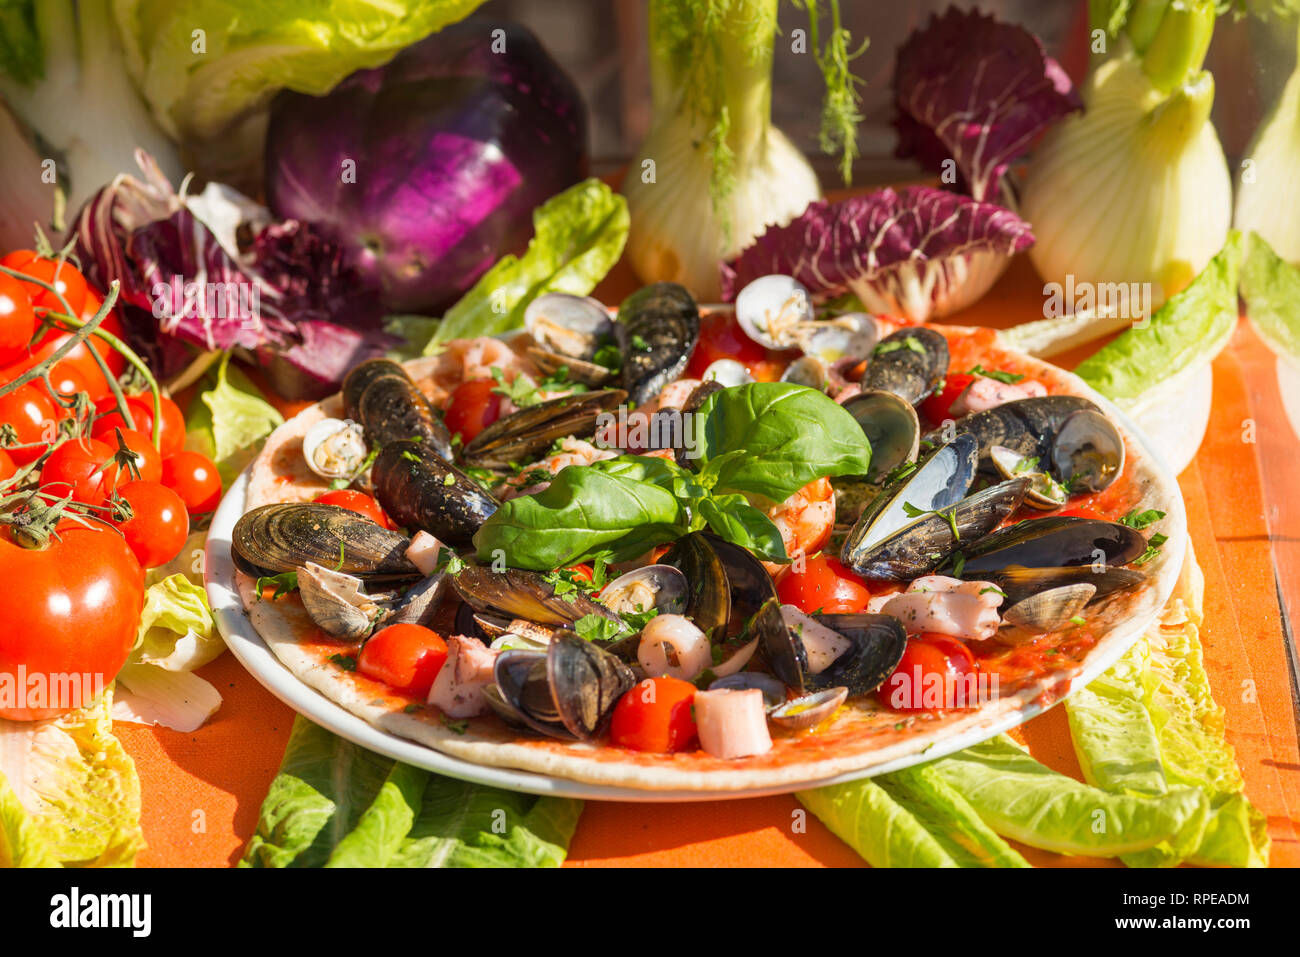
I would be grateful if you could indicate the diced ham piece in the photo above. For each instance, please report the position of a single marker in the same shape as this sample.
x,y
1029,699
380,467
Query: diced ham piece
x,y
732,724
985,393
423,552
948,606
458,689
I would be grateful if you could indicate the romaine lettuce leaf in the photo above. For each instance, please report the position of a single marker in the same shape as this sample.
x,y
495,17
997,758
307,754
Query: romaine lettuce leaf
x,y
229,420
1271,288
578,235
1188,330
336,804
69,794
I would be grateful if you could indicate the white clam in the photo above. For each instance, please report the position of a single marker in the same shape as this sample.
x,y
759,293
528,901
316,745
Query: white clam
x,y
770,308
334,448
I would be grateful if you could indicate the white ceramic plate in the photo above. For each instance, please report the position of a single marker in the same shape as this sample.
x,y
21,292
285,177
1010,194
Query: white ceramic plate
x,y
252,651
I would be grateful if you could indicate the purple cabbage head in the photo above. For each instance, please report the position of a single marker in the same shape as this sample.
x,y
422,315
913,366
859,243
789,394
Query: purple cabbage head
x,y
426,170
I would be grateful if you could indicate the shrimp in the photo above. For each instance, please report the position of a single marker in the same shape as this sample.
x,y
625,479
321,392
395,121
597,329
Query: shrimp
x,y
572,452
948,606
805,520
465,359
634,430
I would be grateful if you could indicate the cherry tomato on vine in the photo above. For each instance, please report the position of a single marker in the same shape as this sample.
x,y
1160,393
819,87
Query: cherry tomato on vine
x,y
84,468
193,477
158,526
17,319
405,657
7,466
80,608
32,417
107,417
473,406
172,438
823,585
148,463
62,275
355,501
655,716
931,675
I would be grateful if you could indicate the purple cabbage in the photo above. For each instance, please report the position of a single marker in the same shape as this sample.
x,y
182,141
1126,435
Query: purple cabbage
x,y
976,90
911,252
275,290
452,144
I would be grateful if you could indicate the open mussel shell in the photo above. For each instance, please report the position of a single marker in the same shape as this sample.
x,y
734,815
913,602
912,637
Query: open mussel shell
x,y
1026,426
1044,490
728,584
516,593
1043,612
866,650
657,329
661,587
940,480
526,435
891,427
1053,542
806,711
770,308
334,448
910,363
568,691
359,378
283,537
393,409
1088,451
929,540
811,371
417,488
1019,583
567,325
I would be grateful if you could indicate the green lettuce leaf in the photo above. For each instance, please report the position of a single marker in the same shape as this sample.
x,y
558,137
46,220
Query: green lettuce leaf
x,y
229,421
176,630
1150,726
1187,331
69,794
1271,288
1028,802
578,235
336,804
910,818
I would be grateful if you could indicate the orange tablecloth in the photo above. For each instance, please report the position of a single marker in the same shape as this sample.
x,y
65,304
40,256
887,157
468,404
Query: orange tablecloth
x,y
202,791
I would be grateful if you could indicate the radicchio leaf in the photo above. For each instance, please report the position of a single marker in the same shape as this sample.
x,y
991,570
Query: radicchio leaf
x,y
969,87
909,252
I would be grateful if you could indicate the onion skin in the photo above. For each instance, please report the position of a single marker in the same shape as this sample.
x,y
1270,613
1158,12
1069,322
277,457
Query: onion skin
x,y
451,144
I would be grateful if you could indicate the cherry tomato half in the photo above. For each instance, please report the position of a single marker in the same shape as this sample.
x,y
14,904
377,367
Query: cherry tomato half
x,y
932,675
193,477
722,338
938,407
473,406
158,526
355,501
405,657
824,585
655,716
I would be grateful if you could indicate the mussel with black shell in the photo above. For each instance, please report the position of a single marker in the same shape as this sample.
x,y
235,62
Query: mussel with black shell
x,y
417,488
526,435
657,329
273,539
390,407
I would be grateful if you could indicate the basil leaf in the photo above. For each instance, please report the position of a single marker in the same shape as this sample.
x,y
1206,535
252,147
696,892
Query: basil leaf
x,y
584,511
734,519
793,435
642,468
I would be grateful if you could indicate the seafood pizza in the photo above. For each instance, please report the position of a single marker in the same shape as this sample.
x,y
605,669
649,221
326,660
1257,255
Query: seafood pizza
x,y
752,548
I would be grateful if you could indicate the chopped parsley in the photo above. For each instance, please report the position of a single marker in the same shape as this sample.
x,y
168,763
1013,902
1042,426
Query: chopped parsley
x,y
639,343
1139,520
1010,378
907,342
451,724
596,627
609,356
1077,620
346,662
284,583
449,479
1153,548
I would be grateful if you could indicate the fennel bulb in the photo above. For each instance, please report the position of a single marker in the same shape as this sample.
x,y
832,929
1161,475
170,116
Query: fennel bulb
x,y
1136,189
713,172
1268,189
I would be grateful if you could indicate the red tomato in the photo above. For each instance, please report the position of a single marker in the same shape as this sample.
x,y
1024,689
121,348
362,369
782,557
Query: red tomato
x,y
405,657
194,478
355,501
32,417
172,438
722,338
581,572
67,381
108,418
939,406
7,467
82,467
473,406
158,525
81,357
929,675
823,585
655,716
148,463
62,275
81,602
17,320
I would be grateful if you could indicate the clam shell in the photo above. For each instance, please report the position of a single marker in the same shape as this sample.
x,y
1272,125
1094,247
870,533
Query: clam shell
x,y
770,307
804,712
